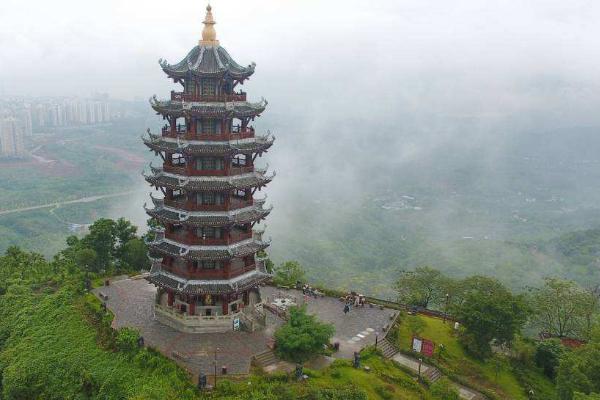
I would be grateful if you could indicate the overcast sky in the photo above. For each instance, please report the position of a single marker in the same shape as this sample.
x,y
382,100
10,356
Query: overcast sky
x,y
71,46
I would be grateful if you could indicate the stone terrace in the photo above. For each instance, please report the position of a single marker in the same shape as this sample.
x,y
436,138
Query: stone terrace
x,y
131,301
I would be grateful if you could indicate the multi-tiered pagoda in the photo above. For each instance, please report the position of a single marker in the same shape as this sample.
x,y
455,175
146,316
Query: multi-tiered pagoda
x,y
205,261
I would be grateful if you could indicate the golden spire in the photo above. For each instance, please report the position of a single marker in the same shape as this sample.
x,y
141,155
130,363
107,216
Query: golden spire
x,y
209,35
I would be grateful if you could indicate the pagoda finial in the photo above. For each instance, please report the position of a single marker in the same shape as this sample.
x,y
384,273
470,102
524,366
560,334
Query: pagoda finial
x,y
209,35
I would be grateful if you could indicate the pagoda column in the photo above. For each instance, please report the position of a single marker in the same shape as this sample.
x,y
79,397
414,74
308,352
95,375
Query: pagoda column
x,y
192,306
225,304
170,298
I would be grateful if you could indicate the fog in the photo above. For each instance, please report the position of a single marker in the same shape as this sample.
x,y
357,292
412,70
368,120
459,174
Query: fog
x,y
363,96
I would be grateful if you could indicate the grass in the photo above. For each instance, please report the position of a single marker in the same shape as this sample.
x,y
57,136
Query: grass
x,y
495,374
50,351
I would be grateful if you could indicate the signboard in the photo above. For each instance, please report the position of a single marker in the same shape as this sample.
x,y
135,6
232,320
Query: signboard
x,y
423,346
427,348
236,324
417,344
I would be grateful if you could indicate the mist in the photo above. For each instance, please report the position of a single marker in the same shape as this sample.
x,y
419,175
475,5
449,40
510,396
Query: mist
x,y
369,101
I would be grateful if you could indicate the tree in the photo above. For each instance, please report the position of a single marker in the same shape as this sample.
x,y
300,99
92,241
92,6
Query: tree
x,y
579,370
303,336
422,287
85,258
134,254
563,309
102,239
124,231
487,313
547,356
289,273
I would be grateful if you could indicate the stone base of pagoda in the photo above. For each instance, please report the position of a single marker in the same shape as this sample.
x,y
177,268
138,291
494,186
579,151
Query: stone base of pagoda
x,y
195,323
248,318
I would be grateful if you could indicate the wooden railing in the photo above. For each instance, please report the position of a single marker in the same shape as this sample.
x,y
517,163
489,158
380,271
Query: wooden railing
x,y
180,96
183,237
184,134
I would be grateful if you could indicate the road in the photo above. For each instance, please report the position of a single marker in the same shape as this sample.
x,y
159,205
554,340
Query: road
x,y
60,203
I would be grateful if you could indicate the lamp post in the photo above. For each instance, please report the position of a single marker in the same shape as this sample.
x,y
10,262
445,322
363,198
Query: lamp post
x,y
420,362
446,308
216,349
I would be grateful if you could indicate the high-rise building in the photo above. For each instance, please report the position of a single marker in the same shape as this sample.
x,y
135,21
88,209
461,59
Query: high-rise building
x,y
206,265
11,138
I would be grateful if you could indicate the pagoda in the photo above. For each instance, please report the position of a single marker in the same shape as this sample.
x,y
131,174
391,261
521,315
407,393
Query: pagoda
x,y
204,256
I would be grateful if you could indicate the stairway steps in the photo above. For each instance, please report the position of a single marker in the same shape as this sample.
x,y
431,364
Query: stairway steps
x,y
388,349
266,358
433,375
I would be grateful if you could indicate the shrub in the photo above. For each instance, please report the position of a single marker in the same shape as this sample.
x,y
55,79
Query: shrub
x,y
443,390
127,340
302,337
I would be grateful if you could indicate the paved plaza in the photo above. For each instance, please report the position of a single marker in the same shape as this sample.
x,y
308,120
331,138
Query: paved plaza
x,y
131,301
353,331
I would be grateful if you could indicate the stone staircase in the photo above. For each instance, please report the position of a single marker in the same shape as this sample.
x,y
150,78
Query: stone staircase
x,y
432,374
265,358
388,349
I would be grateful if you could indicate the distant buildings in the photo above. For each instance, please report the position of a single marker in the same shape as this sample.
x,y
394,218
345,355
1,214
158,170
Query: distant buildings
x,y
70,111
11,138
19,118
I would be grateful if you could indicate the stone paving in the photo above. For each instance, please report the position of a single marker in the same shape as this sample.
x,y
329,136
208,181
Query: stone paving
x,y
131,301
353,331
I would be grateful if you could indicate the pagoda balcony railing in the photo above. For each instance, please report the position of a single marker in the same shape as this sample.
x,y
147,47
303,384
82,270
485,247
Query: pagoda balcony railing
x,y
182,204
180,129
185,238
183,170
182,133
199,273
181,96
191,318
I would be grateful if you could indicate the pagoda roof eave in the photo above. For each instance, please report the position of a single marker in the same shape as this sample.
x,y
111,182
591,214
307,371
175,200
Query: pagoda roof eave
x,y
258,144
205,61
160,178
241,249
251,214
173,282
231,109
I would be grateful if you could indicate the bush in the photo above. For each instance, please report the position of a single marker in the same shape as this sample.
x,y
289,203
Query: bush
x,y
443,390
385,392
547,356
127,340
302,337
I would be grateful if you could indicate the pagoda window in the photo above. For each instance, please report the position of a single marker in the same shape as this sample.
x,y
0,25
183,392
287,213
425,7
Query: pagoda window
x,y
210,163
190,86
178,159
210,232
179,264
208,87
239,160
208,126
211,264
210,198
